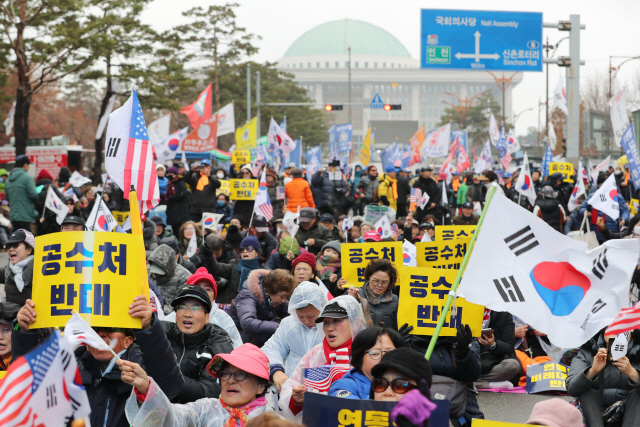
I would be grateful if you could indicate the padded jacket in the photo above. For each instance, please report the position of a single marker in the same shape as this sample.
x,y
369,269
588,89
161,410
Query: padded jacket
x,y
298,193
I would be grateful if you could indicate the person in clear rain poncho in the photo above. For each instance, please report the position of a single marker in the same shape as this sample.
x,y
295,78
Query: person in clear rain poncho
x,y
341,320
297,334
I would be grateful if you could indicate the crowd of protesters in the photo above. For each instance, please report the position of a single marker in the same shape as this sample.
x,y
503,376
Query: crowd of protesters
x,y
246,313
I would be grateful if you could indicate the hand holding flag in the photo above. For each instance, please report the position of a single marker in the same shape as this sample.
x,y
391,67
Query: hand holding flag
x,y
262,205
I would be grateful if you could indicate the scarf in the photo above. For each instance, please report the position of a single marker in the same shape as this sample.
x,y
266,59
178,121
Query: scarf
x,y
171,187
394,187
238,417
326,268
17,272
246,266
337,356
202,182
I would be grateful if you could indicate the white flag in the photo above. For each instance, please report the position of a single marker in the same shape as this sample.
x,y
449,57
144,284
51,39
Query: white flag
x,y
211,220
619,117
291,222
425,238
559,97
620,345
193,245
445,199
552,139
601,167
484,161
424,199
606,198
524,184
55,205
436,144
8,122
552,282
383,227
78,180
513,144
409,254
155,303
102,124
280,139
347,223
226,120
101,220
159,129
78,332
494,132
167,148
184,162
578,189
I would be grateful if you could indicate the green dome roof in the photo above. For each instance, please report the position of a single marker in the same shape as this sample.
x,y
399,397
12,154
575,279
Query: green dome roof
x,y
335,37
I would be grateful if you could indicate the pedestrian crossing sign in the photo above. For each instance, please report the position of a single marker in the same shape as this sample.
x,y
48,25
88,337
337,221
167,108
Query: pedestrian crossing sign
x,y
376,103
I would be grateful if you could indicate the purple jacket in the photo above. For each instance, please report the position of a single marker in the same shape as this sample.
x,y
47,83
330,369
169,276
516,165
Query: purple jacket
x,y
253,316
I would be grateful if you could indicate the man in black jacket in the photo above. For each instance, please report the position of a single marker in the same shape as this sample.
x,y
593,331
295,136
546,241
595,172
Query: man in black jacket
x,y
497,355
426,184
98,370
404,191
195,343
203,190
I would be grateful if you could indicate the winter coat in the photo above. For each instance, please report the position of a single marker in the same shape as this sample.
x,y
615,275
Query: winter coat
x,y
162,185
404,190
226,211
475,193
228,290
201,413
254,316
202,200
463,220
385,191
353,385
278,261
11,289
20,192
176,276
608,222
220,318
45,183
464,369
322,189
461,197
298,193
551,212
616,385
367,186
183,245
504,330
434,191
383,310
107,393
149,236
242,209
318,232
273,198
178,204
194,352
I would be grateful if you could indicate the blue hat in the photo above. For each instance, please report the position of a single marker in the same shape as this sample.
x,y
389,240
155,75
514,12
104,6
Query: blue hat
x,y
390,169
206,162
467,205
250,241
507,175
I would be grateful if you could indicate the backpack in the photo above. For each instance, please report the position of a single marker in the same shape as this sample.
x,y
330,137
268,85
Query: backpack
x,y
445,388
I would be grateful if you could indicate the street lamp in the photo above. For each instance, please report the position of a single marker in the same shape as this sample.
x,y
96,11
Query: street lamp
x,y
616,69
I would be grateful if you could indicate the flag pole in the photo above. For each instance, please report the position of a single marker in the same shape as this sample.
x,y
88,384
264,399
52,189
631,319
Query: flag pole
x,y
456,283
93,226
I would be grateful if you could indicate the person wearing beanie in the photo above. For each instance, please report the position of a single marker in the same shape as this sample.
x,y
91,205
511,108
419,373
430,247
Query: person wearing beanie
x,y
288,250
555,413
329,268
177,200
234,237
366,227
311,235
304,267
204,280
297,192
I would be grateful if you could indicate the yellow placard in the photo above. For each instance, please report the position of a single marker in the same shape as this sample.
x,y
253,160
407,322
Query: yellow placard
x,y
356,256
120,217
224,188
247,135
477,422
423,293
451,232
243,189
241,157
98,274
566,169
633,206
448,254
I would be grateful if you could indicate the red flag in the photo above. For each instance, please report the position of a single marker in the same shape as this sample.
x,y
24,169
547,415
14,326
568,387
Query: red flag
x,y
454,146
204,137
200,110
463,160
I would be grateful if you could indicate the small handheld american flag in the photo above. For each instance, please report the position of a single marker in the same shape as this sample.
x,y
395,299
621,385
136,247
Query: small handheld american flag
x,y
415,195
322,377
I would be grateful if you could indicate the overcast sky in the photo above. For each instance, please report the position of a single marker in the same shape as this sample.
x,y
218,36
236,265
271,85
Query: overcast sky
x,y
612,29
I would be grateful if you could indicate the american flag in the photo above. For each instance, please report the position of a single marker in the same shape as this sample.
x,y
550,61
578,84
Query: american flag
x,y
322,377
627,320
416,193
505,160
262,205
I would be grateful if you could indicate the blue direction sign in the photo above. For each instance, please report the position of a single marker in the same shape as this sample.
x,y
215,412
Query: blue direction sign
x,y
376,103
481,40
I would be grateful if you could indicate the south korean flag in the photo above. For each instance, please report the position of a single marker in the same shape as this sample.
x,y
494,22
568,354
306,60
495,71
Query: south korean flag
x,y
552,282
606,198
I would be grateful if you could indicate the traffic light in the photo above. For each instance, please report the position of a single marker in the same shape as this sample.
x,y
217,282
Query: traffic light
x,y
333,107
389,107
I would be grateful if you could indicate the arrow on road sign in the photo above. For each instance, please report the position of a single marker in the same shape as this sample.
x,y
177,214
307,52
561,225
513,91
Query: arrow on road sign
x,y
477,56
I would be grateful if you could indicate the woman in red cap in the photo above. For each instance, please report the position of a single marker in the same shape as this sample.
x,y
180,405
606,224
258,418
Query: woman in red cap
x,y
244,379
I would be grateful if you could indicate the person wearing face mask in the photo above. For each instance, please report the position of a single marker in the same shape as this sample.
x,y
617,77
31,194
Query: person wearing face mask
x,y
224,208
297,333
166,273
258,309
368,348
177,197
341,320
203,190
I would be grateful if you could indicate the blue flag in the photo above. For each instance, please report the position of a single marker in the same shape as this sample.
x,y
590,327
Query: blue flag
x,y
389,154
628,143
546,161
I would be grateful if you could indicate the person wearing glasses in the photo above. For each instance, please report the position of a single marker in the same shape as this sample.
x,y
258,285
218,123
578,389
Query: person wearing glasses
x,y
184,237
195,342
367,185
366,352
244,380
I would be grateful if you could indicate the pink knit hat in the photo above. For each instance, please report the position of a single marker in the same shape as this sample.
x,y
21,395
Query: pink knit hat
x,y
203,274
247,357
555,413
372,235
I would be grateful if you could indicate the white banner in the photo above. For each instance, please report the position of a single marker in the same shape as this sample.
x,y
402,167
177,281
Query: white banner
x,y
437,142
619,117
226,120
159,129
560,97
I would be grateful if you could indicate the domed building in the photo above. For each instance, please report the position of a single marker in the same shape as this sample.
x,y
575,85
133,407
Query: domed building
x,y
380,64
